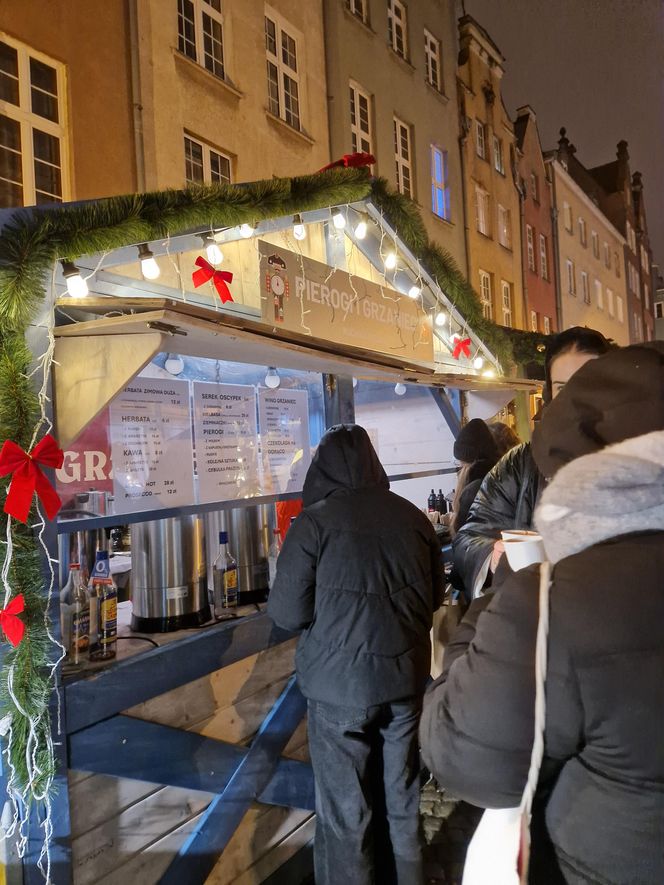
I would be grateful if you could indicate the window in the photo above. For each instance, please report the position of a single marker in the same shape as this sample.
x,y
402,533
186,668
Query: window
x,y
498,164
530,242
200,33
659,310
397,27
534,187
440,184
507,302
616,264
583,234
482,211
595,241
32,127
204,165
547,325
646,295
598,295
485,295
585,288
571,277
631,239
504,227
619,309
609,302
607,255
633,278
533,321
638,327
567,217
645,263
544,259
402,156
480,139
283,89
432,61
360,120
358,8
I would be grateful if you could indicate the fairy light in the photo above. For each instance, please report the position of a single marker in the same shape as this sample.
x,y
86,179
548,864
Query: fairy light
x,y
360,230
149,267
76,285
247,230
212,250
390,261
440,318
338,219
489,373
478,362
299,230
414,292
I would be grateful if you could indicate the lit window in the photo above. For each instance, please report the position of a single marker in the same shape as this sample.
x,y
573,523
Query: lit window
x,y
200,33
283,79
480,139
571,277
485,295
595,242
482,211
585,288
598,294
534,326
659,310
358,8
397,27
203,165
544,258
432,60
609,302
32,136
583,235
498,155
534,187
403,157
504,227
530,243
507,302
547,325
360,120
619,309
440,184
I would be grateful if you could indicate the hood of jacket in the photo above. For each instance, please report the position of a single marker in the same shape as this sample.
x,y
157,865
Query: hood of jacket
x,y
610,399
345,460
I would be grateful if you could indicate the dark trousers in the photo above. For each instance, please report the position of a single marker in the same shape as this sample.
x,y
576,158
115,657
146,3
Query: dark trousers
x,y
366,767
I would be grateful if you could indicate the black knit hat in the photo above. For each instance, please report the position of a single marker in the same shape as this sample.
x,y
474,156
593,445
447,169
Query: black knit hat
x,y
475,443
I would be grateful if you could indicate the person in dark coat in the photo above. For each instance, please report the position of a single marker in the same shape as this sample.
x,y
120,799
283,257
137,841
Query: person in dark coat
x,y
360,574
476,450
508,494
599,813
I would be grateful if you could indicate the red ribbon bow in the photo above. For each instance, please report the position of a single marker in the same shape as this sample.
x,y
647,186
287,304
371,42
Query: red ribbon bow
x,y
219,278
360,158
12,626
28,478
461,345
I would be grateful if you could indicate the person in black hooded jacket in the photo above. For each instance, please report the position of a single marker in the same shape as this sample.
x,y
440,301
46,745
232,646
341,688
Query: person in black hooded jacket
x,y
360,573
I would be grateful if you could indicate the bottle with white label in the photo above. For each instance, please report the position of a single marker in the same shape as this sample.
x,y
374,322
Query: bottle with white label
x,y
225,580
273,555
104,603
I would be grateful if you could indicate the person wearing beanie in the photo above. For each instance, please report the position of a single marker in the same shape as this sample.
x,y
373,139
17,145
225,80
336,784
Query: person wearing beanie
x,y
598,814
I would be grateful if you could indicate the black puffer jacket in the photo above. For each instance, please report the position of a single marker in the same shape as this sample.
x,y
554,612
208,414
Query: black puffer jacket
x,y
361,574
506,500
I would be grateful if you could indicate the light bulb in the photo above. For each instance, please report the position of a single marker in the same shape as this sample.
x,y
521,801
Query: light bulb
x,y
489,374
272,379
414,292
399,388
214,253
354,383
390,261
77,287
246,231
149,266
174,364
440,319
338,219
361,230
478,362
299,230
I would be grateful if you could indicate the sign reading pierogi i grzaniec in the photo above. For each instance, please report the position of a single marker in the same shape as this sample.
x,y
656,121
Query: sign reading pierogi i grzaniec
x,y
302,295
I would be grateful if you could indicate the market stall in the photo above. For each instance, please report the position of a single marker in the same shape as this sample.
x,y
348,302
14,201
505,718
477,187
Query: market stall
x,y
182,353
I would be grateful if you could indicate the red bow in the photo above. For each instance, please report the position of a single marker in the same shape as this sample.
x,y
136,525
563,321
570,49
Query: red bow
x,y
461,345
219,278
357,159
27,476
13,627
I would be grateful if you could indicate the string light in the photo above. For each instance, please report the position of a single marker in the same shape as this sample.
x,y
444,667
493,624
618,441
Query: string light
x,y
478,362
414,292
212,250
338,219
299,230
77,287
247,230
489,373
440,318
174,364
360,229
272,379
399,388
390,261
149,266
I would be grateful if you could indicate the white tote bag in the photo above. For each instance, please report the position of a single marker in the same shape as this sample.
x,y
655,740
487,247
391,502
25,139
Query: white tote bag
x,y
499,851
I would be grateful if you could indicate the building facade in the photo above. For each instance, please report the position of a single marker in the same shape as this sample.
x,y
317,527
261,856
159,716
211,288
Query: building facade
x,y
658,306
539,268
488,156
391,75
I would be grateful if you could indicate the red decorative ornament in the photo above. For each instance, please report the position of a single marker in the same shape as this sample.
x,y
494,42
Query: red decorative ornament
x,y
12,626
357,159
461,346
219,278
28,477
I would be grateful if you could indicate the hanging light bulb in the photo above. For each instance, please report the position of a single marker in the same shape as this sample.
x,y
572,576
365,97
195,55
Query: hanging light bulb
x,y
490,373
361,229
338,219
478,362
414,292
399,388
440,318
390,261
149,266
174,364
299,230
77,287
212,250
272,379
247,230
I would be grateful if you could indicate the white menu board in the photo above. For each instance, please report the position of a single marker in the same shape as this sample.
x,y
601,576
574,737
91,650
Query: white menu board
x,y
226,441
151,446
284,424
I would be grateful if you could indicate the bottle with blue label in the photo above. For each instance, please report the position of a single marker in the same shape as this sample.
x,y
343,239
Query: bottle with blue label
x,y
104,605
225,580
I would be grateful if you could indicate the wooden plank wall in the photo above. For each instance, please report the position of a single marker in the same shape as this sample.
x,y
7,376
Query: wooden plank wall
x,y
126,831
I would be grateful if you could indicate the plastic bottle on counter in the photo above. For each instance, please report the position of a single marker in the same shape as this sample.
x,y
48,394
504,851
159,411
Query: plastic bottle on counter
x,y
79,634
273,555
431,502
103,610
441,503
224,580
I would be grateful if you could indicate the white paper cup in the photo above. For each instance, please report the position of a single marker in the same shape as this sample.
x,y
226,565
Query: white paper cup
x,y
519,535
523,551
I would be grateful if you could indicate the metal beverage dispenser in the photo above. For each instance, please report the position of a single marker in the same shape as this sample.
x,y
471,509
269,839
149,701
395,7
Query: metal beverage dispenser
x,y
249,536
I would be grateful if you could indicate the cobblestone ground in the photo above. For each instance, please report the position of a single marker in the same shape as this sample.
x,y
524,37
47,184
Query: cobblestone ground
x,y
448,826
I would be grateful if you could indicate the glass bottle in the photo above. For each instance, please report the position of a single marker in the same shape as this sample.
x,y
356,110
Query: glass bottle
x,y
224,580
79,640
104,605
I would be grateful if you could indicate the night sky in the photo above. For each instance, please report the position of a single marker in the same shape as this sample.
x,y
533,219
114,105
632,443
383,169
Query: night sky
x,y
595,67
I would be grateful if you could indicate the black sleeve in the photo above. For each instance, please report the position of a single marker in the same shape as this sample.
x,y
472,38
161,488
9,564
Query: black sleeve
x,y
292,598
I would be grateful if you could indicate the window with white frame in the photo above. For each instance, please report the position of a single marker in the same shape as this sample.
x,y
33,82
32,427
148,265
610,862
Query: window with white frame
x,y
403,157
360,119
534,187
645,263
506,289
646,295
607,255
571,277
440,184
358,8
486,296
283,78
567,217
201,33
609,302
547,325
530,245
498,163
482,211
585,287
616,264
397,27
533,321
595,241
432,55
544,257
33,135
633,280
638,327
480,139
204,165
504,227
599,296
583,233
659,310
619,309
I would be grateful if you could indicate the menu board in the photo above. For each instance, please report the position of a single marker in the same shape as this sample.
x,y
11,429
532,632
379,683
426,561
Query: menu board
x,y
284,423
226,441
151,445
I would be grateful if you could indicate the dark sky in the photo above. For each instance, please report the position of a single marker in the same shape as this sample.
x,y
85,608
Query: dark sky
x,y
595,67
